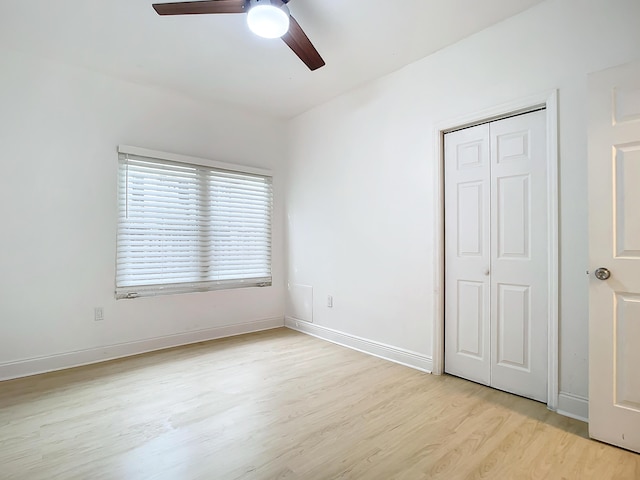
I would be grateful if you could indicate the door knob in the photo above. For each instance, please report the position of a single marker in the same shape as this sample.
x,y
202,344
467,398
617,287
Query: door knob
x,y
487,272
602,273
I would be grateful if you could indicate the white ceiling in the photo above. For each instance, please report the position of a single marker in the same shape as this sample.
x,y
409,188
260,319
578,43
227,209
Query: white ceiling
x,y
216,57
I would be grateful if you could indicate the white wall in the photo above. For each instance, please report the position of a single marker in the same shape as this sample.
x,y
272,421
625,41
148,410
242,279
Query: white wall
x,y
360,205
59,130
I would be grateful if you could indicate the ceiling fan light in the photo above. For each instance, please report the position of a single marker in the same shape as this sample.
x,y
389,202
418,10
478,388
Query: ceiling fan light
x,y
268,21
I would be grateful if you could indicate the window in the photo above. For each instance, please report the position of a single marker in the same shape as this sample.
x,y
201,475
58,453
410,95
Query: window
x,y
187,226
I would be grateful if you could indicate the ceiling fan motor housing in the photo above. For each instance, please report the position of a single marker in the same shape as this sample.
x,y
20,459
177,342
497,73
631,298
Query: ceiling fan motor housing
x,y
275,3
268,18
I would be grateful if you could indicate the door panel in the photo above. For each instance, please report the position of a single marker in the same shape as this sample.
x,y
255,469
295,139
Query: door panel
x,y
627,329
519,271
513,323
614,243
512,146
467,254
514,222
627,199
626,103
470,225
470,319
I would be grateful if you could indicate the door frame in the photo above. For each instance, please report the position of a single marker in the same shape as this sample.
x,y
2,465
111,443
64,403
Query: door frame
x,y
549,101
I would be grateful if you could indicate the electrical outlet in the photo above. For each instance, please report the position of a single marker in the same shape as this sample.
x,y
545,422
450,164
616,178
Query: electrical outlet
x,y
98,314
330,301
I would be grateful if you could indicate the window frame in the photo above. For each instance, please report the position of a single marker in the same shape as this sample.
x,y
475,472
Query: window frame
x,y
129,292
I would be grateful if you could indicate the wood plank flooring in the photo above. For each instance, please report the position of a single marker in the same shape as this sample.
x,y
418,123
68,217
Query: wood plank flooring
x,y
283,405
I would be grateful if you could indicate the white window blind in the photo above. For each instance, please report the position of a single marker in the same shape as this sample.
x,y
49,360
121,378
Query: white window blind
x,y
187,227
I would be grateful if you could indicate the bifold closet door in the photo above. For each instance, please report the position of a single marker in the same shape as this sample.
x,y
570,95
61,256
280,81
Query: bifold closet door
x,y
519,257
468,254
496,261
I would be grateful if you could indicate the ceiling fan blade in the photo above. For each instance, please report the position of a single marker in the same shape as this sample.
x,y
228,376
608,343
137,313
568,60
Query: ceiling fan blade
x,y
194,8
302,46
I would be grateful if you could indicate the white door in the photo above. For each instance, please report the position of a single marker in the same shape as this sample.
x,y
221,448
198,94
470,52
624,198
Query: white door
x,y
468,254
496,259
519,256
614,244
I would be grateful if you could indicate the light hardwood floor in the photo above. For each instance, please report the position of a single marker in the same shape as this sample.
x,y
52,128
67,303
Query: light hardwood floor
x,y
282,405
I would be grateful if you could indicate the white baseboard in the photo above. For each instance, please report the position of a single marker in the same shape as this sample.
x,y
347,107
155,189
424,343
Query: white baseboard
x,y
574,406
50,363
377,349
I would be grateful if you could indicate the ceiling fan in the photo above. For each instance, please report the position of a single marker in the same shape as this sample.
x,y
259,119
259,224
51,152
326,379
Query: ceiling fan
x,y
267,18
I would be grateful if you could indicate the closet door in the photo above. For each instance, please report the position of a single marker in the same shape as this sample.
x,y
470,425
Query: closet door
x,y
519,257
496,259
467,254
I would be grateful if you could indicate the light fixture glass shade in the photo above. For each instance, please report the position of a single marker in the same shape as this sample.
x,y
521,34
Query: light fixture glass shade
x,y
268,21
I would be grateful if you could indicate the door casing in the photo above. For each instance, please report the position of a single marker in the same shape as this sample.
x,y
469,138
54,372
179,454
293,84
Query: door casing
x,y
549,101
